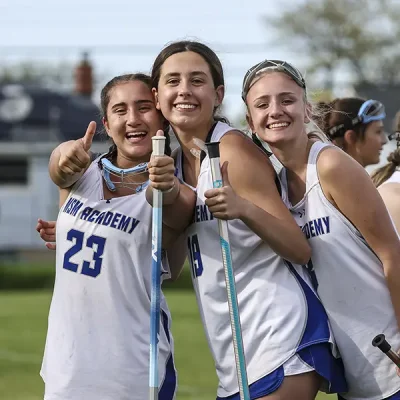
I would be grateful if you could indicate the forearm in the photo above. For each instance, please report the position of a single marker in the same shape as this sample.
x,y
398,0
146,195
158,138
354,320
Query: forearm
x,y
59,177
392,273
178,206
177,255
285,238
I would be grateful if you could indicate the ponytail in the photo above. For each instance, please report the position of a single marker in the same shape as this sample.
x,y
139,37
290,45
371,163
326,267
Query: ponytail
x,y
382,174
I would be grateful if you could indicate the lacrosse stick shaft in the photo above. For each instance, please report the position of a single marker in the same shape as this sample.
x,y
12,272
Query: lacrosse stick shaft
x,y
381,343
158,143
213,153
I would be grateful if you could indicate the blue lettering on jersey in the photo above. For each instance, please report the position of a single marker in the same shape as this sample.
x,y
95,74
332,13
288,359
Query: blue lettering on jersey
x,y
73,206
195,256
202,213
106,218
316,227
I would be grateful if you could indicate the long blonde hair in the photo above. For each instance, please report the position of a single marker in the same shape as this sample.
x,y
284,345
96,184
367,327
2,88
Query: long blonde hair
x,y
382,174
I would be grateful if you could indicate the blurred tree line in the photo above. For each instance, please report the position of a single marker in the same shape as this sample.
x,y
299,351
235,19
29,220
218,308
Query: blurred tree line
x,y
358,38
362,36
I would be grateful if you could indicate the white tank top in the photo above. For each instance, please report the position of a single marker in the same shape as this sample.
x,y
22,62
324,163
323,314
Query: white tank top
x,y
272,303
352,287
98,337
395,178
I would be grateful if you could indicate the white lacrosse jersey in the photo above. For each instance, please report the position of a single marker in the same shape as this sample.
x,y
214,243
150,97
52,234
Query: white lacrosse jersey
x,y
275,316
352,287
98,337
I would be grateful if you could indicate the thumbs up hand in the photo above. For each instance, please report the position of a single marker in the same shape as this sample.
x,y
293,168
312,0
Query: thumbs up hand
x,y
75,154
223,202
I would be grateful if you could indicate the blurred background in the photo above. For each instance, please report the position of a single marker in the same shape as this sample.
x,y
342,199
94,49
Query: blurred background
x,y
55,57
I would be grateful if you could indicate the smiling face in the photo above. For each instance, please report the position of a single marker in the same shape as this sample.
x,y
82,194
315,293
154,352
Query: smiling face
x,y
276,107
131,120
186,94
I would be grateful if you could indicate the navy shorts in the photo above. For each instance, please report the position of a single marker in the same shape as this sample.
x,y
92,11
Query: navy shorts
x,y
318,357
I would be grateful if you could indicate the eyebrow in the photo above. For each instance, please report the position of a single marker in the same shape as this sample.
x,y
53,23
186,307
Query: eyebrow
x,y
139,102
266,96
176,74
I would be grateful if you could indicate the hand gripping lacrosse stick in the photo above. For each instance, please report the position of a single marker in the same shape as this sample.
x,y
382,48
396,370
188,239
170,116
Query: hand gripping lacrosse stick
x,y
381,343
158,150
213,153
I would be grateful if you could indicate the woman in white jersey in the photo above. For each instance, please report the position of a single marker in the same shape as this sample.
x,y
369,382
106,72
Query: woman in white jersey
x,y
97,344
285,330
356,126
387,178
355,250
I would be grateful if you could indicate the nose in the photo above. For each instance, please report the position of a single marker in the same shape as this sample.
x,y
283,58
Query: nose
x,y
275,108
133,117
384,139
185,88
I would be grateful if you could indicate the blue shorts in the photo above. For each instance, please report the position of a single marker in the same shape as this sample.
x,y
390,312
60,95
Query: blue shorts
x,y
395,396
318,357
167,390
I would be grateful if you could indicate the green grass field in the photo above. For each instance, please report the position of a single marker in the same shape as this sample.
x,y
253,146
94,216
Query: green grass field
x,y
23,319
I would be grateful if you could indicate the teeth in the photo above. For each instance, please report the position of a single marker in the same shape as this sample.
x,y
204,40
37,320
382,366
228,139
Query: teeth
x,y
185,106
278,125
135,134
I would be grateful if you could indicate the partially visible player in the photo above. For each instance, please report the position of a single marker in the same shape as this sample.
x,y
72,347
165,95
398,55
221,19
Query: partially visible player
x,y
285,330
387,178
98,337
355,249
356,126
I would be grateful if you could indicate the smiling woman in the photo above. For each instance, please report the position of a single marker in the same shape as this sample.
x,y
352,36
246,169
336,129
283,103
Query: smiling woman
x,y
189,90
188,83
98,335
355,250
127,100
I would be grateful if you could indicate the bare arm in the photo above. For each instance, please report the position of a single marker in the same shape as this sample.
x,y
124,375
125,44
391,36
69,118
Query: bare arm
x,y
257,201
175,245
64,193
179,201
347,185
390,194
